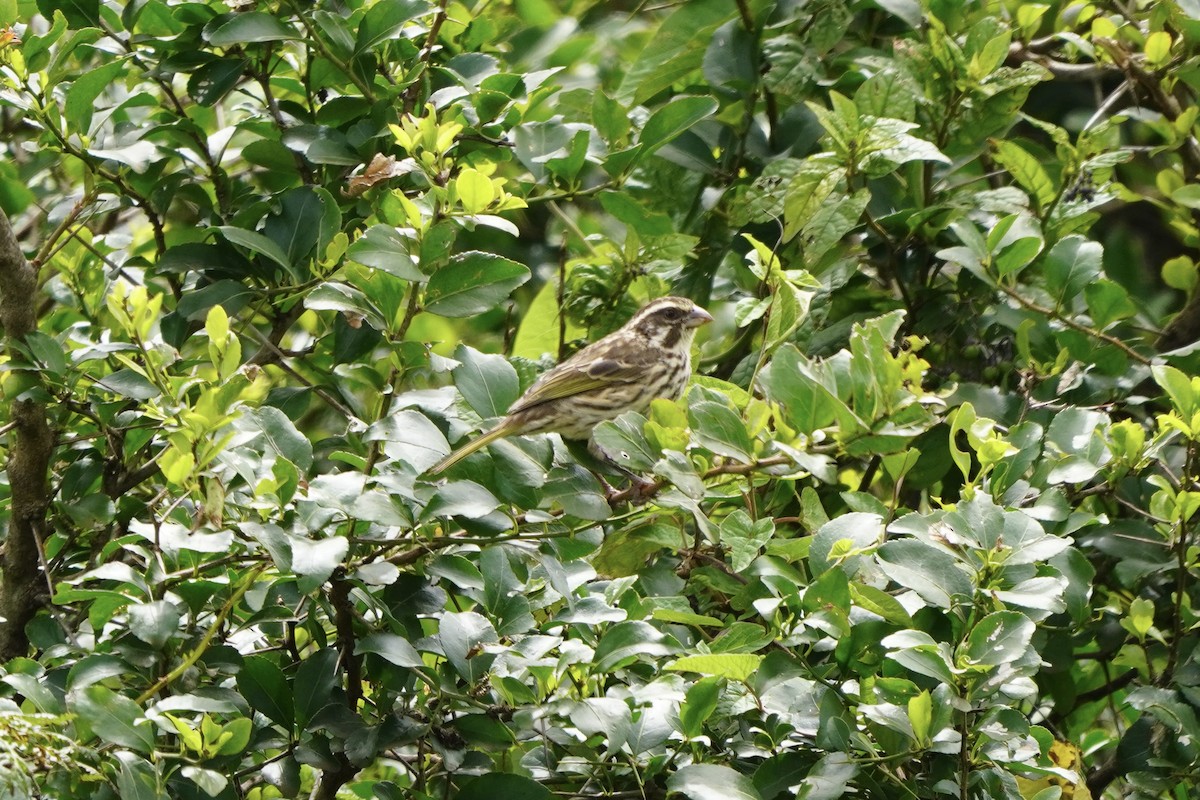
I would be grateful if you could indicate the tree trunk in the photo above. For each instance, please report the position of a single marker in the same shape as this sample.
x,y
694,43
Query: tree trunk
x,y
30,443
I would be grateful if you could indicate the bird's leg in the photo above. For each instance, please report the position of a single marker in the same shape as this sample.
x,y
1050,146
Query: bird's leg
x,y
640,490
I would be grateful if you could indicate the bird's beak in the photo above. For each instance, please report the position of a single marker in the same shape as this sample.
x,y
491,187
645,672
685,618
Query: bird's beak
x,y
698,317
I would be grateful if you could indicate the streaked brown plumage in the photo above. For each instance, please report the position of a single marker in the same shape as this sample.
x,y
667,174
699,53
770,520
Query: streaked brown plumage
x,y
648,357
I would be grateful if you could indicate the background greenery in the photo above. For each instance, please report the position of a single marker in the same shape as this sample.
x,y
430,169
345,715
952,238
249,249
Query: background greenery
x,y
925,525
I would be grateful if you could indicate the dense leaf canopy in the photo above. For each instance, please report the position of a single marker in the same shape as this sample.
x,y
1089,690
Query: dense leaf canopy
x,y
923,526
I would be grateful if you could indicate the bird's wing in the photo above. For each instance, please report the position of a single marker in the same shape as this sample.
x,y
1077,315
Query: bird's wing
x,y
574,377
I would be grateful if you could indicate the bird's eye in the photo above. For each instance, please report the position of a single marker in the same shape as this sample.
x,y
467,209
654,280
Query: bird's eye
x,y
673,313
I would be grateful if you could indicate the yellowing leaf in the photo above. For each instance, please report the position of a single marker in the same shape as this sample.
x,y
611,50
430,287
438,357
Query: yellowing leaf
x,y
475,190
734,666
1158,48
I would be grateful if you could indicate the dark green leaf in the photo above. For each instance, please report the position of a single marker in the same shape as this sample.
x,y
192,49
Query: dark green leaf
x,y
461,499
712,782
348,301
316,680
128,383
247,28
384,20
631,640
1000,638
462,636
257,243
676,49
488,383
113,717
281,436
473,283
81,97
155,622
382,248
137,778
493,785
719,428
392,648
673,119
265,688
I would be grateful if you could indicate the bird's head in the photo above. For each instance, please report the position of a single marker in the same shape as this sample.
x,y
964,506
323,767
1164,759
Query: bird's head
x,y
669,321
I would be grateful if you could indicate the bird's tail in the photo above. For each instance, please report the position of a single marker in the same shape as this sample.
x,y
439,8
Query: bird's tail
x,y
482,440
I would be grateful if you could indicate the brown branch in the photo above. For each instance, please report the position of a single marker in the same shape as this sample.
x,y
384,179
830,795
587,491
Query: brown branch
x,y
1070,323
1019,53
643,492
21,587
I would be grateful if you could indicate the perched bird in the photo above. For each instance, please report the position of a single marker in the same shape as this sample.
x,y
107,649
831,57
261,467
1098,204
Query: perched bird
x,y
649,357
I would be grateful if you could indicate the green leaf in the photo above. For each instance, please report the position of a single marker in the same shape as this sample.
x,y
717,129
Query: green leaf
x,y
315,682
47,351
810,405
129,383
1017,255
488,383
676,49
113,717
624,442
316,559
281,436
538,331
1026,170
348,301
384,21
712,782
137,778
462,636
920,715
213,81
999,638
733,666
461,499
908,10
306,217
475,190
745,537
719,428
673,119
81,97
880,602
698,705
411,434
257,243
247,28
917,651
931,573
807,193
155,622
382,248
77,13
1071,265
1180,273
632,641
1179,388
473,283
494,785
1158,49
1187,195
265,688
683,617
1108,302
392,648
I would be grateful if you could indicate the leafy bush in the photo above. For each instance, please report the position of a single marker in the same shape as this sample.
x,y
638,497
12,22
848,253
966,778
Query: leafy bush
x,y
923,526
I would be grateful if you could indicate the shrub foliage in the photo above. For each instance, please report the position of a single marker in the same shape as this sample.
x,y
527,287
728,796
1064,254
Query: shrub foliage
x,y
923,526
